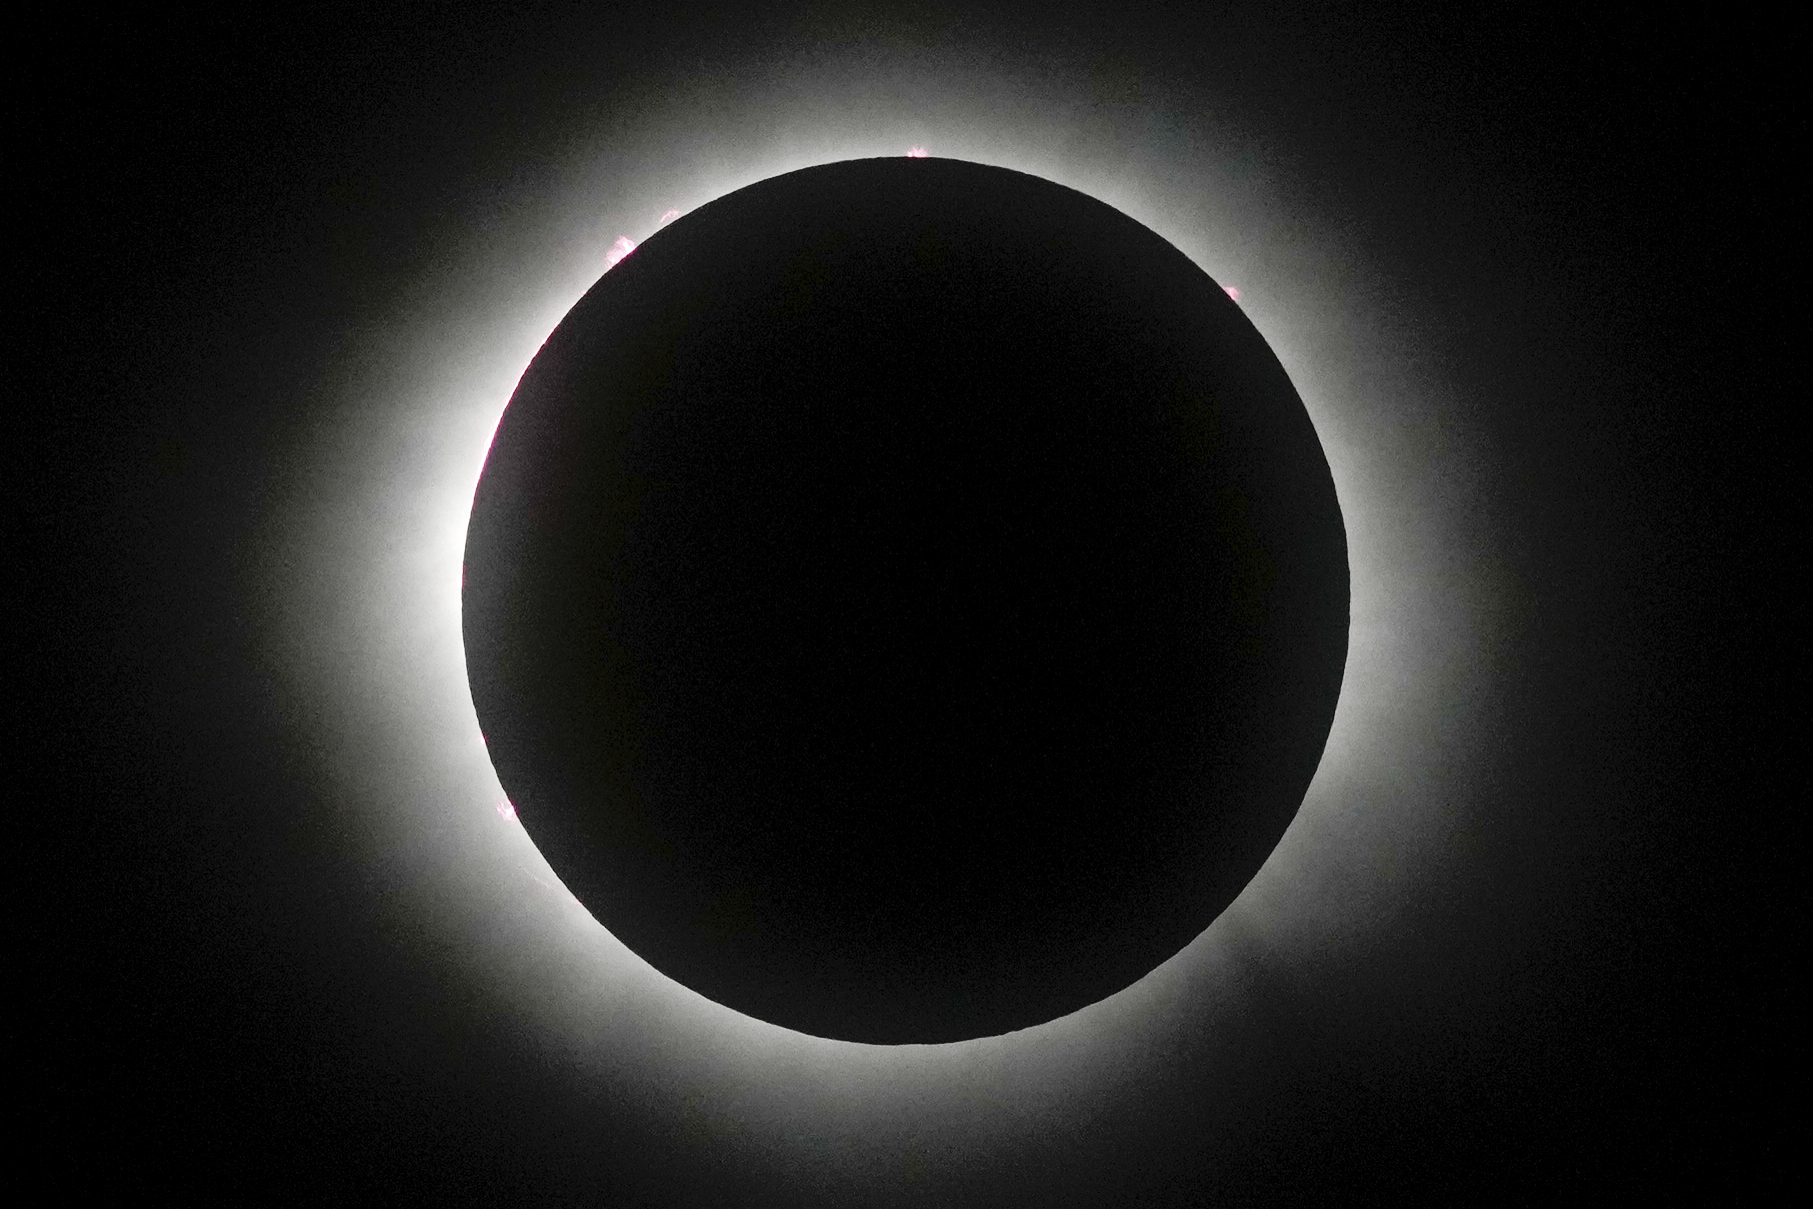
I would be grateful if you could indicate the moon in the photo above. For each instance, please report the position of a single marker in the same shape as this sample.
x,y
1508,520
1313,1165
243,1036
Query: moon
x,y
905,600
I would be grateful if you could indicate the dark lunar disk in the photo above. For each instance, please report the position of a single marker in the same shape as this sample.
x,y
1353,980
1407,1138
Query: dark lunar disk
x,y
906,600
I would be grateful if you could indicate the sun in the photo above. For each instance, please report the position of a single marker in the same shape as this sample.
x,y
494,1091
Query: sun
x,y
381,667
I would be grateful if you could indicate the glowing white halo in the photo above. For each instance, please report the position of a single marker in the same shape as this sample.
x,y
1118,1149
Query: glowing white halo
x,y
371,642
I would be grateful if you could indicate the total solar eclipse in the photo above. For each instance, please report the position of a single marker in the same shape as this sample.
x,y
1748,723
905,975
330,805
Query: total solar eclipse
x,y
905,600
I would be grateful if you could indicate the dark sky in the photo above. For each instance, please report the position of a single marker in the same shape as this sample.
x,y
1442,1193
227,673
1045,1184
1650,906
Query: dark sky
x,y
1564,969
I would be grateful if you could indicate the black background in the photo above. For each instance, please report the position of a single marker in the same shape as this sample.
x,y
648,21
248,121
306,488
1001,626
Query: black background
x,y
211,206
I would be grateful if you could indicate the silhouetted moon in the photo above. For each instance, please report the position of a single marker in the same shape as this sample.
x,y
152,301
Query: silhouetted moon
x,y
906,600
